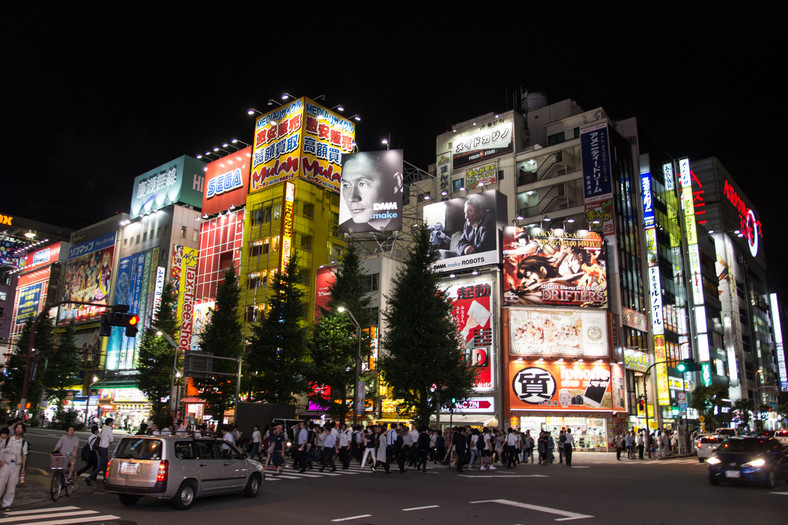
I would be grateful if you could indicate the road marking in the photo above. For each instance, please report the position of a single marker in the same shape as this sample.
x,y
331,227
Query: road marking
x,y
64,515
780,493
503,476
567,515
421,508
352,517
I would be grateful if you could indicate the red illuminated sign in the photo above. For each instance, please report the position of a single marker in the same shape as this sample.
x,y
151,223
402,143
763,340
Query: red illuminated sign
x,y
749,225
227,181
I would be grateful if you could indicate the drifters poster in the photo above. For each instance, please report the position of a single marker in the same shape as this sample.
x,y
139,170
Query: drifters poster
x,y
554,267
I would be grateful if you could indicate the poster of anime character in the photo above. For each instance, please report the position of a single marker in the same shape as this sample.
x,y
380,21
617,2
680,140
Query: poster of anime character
x,y
554,267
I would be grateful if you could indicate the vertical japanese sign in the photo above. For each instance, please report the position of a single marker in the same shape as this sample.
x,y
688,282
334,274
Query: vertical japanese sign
x,y
327,137
655,290
595,148
688,204
779,348
287,225
473,312
186,288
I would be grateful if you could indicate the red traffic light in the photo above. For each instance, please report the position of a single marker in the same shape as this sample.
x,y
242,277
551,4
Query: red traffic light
x,y
133,320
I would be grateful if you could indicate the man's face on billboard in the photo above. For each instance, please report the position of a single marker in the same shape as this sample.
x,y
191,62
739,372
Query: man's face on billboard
x,y
362,186
472,214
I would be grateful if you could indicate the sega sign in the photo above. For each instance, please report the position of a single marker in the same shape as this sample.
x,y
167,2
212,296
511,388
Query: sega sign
x,y
223,183
226,181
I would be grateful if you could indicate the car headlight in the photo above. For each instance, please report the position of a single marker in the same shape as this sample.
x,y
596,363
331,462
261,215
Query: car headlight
x,y
713,461
757,463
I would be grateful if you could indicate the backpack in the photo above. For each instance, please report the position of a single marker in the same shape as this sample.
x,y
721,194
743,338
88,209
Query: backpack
x,y
87,450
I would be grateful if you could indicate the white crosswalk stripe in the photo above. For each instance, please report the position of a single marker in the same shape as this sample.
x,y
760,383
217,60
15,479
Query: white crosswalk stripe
x,y
55,516
288,473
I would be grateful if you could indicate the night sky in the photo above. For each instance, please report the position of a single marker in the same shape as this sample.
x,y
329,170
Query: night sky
x,y
91,100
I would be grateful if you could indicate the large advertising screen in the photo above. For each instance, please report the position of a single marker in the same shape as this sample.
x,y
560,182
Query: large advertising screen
x,y
300,139
483,143
548,332
180,180
465,230
554,267
227,181
371,192
88,276
473,309
577,387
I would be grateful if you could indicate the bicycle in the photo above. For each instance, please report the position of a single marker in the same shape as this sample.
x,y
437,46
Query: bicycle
x,y
58,464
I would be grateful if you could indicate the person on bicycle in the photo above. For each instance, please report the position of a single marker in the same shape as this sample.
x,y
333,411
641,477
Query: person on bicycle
x,y
68,445
13,458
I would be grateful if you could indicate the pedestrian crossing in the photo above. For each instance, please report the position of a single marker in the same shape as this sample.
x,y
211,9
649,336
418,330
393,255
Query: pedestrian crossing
x,y
55,516
293,474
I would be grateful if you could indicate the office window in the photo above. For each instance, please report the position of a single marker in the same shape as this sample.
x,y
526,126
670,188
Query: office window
x,y
373,282
457,185
309,210
306,242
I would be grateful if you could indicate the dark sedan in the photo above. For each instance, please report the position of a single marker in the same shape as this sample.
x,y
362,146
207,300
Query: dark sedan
x,y
749,459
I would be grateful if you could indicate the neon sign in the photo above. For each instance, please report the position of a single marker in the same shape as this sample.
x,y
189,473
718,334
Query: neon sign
x,y
749,225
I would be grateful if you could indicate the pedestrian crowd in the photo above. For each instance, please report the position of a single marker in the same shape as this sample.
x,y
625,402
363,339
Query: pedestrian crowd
x,y
636,445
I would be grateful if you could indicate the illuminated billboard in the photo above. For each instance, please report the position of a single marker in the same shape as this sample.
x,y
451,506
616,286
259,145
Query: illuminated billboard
x,y
371,192
566,387
597,173
549,332
465,230
184,273
474,312
554,267
325,277
300,139
227,182
88,276
483,143
178,181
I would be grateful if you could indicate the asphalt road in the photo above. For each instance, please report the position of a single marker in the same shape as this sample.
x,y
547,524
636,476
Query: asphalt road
x,y
596,489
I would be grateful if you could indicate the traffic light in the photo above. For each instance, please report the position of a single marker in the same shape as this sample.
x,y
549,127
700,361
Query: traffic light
x,y
128,321
689,365
641,405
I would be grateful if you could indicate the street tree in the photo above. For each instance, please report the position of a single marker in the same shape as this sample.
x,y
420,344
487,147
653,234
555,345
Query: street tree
x,y
334,346
423,361
14,374
222,337
278,349
707,400
156,357
62,368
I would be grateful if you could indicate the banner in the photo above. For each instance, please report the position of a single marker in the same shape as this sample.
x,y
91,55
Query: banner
x,y
595,150
547,332
187,284
88,277
371,192
473,309
554,267
465,230
556,386
483,143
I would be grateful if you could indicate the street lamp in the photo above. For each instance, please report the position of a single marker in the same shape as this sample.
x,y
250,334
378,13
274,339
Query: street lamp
x,y
357,387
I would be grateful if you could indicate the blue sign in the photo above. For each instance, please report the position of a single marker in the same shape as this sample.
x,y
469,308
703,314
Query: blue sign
x,y
648,202
29,300
595,148
93,245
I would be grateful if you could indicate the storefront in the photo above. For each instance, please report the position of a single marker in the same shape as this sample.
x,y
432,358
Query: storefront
x,y
554,394
121,400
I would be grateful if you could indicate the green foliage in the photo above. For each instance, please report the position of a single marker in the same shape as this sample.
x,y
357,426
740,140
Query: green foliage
x,y
333,347
277,354
423,361
705,399
155,358
15,366
62,368
222,337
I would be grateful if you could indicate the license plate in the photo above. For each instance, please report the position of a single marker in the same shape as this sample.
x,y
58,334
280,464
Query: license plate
x,y
129,468
732,474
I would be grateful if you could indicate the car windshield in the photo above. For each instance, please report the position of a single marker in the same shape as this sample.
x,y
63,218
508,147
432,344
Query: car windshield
x,y
136,448
743,445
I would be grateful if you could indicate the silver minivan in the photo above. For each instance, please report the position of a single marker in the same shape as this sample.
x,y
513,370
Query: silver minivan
x,y
180,468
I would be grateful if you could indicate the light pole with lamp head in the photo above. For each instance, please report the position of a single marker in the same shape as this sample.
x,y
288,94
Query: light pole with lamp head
x,y
357,384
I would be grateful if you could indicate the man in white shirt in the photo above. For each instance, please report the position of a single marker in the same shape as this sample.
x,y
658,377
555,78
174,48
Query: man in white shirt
x,y
329,448
13,458
344,446
105,440
257,440
569,445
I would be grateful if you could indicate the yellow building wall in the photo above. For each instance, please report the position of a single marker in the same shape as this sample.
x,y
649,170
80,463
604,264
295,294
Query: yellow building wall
x,y
315,241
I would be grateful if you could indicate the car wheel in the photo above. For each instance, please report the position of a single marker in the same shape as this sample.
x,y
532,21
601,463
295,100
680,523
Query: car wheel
x,y
700,460
128,499
252,486
771,480
713,480
185,496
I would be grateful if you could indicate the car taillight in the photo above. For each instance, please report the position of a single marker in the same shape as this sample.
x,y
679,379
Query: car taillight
x,y
698,445
106,472
161,475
